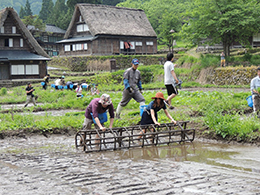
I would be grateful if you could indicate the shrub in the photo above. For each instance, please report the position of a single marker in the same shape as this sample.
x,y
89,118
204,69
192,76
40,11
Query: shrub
x,y
3,91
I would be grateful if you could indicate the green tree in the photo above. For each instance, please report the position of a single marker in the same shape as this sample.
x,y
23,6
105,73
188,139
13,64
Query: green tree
x,y
27,9
22,12
223,21
111,2
28,20
36,22
164,16
47,7
57,16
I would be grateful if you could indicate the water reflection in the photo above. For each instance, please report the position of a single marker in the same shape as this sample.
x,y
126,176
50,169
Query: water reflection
x,y
176,152
218,155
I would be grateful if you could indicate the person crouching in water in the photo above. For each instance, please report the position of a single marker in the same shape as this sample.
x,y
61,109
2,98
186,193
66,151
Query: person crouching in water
x,y
149,115
98,106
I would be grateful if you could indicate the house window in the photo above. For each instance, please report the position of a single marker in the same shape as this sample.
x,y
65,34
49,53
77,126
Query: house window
x,y
67,47
80,18
256,37
82,28
79,47
17,69
121,44
9,42
13,29
85,46
45,38
2,30
32,69
149,43
138,43
132,44
21,42
73,47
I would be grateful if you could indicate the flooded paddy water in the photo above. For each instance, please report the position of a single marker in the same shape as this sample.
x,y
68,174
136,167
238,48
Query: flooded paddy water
x,y
40,165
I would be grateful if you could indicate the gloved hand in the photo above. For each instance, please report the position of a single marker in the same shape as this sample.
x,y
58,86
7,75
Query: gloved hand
x,y
130,90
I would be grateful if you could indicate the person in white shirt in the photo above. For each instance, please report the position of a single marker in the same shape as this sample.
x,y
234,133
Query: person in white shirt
x,y
79,91
170,80
255,84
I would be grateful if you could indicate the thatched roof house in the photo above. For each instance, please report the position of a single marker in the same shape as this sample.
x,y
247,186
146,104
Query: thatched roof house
x,y
103,29
20,54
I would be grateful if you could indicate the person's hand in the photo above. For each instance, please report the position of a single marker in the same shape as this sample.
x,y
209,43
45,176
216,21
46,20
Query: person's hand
x,y
141,91
173,121
103,128
177,81
157,124
129,89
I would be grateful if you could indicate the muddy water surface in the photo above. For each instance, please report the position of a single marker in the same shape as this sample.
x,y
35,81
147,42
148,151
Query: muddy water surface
x,y
40,165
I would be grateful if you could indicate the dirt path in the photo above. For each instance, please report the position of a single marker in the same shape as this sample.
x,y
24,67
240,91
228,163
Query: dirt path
x,y
192,52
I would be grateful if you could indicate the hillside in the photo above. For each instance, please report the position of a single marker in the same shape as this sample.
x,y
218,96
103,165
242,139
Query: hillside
x,y
16,4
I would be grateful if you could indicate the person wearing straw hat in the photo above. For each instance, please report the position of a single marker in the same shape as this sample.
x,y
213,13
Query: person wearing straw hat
x,y
149,116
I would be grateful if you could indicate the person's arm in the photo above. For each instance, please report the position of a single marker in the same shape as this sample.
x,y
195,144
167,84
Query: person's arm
x,y
174,76
99,124
139,85
30,91
111,114
111,123
252,87
126,84
153,117
169,116
95,115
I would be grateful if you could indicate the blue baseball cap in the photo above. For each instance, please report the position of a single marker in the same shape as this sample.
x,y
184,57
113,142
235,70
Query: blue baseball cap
x,y
135,61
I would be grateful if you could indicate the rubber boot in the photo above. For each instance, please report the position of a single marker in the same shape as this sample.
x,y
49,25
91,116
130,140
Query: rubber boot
x,y
118,111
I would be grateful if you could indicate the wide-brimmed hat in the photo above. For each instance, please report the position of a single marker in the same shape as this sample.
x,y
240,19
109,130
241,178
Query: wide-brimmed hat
x,y
159,95
105,99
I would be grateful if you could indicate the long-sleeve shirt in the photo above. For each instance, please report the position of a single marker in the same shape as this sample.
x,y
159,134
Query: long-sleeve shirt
x,y
255,83
96,108
132,78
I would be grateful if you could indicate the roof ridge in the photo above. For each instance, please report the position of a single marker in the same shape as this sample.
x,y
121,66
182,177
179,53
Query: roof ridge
x,y
108,6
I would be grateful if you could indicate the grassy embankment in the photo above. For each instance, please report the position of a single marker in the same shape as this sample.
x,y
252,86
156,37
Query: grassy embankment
x,y
221,113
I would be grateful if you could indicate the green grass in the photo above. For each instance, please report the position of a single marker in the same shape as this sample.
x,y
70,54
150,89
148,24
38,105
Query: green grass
x,y
220,111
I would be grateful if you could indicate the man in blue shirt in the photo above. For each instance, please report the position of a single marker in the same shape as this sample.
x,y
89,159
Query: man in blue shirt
x,y
133,87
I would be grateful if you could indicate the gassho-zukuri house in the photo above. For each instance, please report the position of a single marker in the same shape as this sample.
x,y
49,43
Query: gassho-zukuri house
x,y
21,57
108,30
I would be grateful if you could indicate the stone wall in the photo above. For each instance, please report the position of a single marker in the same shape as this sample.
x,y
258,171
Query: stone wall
x,y
102,63
232,75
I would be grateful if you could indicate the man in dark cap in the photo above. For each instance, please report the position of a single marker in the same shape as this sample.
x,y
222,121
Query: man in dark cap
x,y
133,87
30,97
